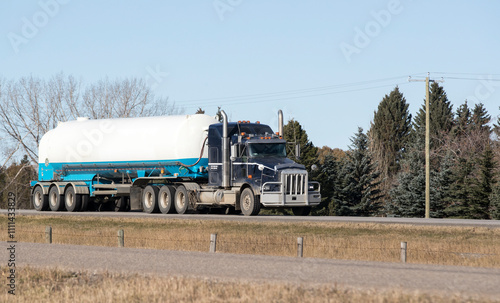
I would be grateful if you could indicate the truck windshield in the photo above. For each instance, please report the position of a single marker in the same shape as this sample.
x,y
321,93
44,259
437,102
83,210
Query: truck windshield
x,y
267,150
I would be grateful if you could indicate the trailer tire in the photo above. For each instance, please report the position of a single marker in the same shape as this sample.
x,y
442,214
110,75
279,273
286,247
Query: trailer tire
x,y
72,201
250,205
181,200
301,211
150,199
55,199
39,200
166,199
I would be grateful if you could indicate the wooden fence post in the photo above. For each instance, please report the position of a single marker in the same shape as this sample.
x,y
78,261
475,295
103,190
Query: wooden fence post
x,y
121,238
300,247
48,234
403,252
213,243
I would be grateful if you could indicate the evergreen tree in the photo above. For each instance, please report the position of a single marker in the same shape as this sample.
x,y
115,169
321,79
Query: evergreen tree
x,y
473,172
330,176
461,189
293,133
408,196
495,203
441,114
462,120
483,187
361,192
389,134
480,118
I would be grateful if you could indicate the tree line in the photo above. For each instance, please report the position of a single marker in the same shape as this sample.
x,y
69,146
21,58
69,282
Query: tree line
x,y
383,172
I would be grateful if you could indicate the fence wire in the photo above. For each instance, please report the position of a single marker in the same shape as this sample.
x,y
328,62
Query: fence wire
x,y
288,243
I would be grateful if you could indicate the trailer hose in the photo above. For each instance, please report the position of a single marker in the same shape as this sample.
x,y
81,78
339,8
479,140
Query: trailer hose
x,y
201,155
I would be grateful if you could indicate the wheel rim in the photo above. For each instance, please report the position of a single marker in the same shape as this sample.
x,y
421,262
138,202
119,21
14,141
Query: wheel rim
x,y
53,199
246,202
69,199
181,200
163,200
148,200
37,199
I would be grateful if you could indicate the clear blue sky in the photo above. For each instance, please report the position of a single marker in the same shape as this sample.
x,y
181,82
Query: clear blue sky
x,y
327,64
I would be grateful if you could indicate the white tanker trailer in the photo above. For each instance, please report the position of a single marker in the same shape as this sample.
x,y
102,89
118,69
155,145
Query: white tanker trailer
x,y
169,164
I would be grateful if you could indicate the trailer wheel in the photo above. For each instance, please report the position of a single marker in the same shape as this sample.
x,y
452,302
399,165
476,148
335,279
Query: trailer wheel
x,y
72,201
181,200
301,211
250,205
40,201
166,198
55,199
150,199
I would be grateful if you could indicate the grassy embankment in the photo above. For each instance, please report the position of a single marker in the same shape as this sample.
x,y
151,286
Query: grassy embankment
x,y
466,246
53,285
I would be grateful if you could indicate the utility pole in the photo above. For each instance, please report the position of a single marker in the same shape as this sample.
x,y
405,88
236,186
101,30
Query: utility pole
x,y
427,143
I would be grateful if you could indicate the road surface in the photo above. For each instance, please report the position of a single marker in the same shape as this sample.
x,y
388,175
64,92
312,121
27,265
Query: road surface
x,y
444,280
410,221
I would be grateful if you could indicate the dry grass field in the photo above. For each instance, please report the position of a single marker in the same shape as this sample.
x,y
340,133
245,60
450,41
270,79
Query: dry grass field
x,y
465,246
53,285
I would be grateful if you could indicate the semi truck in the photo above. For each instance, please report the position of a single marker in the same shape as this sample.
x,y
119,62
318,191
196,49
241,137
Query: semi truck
x,y
170,164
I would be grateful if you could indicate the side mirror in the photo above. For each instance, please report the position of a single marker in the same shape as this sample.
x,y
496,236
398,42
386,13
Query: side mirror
x,y
234,152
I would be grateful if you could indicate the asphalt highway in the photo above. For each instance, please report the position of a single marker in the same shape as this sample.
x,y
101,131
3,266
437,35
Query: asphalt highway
x,y
410,221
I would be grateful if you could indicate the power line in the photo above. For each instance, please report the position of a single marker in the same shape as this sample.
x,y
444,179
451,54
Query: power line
x,y
292,94
469,74
475,79
270,99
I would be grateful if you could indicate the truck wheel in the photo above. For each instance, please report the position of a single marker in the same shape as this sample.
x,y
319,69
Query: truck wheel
x,y
150,199
250,206
166,198
301,211
85,202
40,201
181,200
72,201
121,204
55,199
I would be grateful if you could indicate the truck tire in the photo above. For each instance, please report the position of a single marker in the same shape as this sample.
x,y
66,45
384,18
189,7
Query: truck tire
x,y
40,201
121,204
250,205
55,199
301,211
150,199
85,202
166,199
72,201
181,200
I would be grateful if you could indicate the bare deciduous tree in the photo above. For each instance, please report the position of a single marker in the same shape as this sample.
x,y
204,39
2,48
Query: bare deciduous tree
x,y
30,106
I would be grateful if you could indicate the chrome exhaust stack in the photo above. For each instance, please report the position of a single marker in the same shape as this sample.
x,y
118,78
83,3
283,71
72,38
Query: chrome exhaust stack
x,y
226,165
280,123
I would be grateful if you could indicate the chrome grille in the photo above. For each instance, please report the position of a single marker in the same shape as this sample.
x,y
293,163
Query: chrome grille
x,y
295,184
